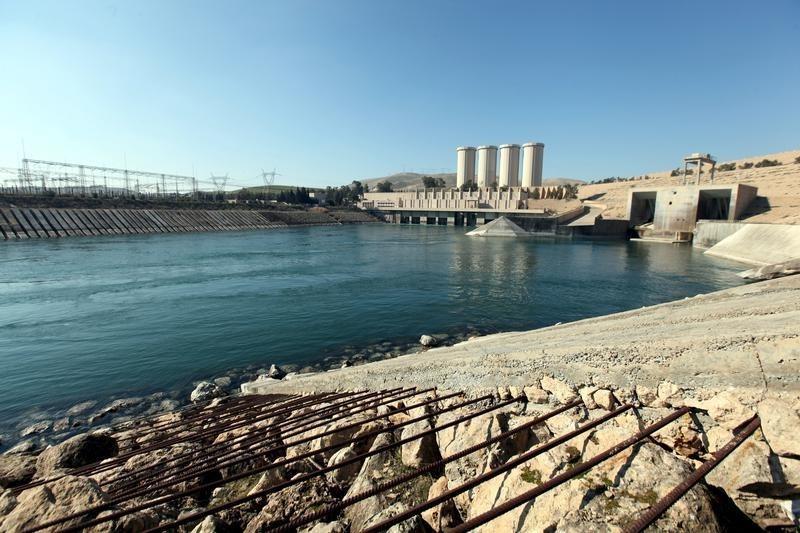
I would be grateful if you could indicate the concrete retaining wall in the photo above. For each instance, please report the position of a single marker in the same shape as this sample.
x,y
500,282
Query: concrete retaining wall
x,y
760,244
707,233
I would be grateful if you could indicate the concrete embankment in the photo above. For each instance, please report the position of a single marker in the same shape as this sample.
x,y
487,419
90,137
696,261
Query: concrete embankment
x,y
760,244
29,223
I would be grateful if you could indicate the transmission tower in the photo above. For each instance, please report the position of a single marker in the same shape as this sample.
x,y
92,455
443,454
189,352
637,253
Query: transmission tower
x,y
220,182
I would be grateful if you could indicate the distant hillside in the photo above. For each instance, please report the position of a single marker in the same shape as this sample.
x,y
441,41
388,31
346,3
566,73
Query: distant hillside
x,y
276,188
411,180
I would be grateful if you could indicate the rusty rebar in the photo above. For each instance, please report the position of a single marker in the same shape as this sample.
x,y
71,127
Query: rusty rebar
x,y
660,507
357,458
554,482
329,510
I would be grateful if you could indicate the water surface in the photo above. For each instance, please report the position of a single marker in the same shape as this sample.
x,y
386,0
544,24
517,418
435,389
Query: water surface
x,y
85,318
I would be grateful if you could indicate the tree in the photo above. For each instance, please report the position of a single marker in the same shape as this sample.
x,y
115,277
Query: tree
x,y
429,182
469,186
384,186
357,188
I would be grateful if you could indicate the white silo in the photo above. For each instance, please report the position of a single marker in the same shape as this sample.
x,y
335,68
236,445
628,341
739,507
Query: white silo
x,y
509,166
532,157
487,165
465,168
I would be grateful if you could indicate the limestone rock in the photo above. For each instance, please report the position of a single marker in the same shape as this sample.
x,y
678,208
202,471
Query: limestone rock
x,y
780,423
605,399
276,372
444,515
65,496
563,392
670,394
415,524
269,478
648,397
586,394
212,524
343,476
535,395
205,391
35,429
420,451
291,502
25,446
81,408
78,451
428,341
16,469
337,526
370,475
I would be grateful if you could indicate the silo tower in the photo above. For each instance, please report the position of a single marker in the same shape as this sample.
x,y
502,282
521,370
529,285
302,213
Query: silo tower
x,y
509,165
487,165
532,157
465,168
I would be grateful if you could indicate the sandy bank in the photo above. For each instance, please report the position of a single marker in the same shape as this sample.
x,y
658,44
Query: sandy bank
x,y
744,337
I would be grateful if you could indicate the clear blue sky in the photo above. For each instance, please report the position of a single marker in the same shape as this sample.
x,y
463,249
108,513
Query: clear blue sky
x,y
329,91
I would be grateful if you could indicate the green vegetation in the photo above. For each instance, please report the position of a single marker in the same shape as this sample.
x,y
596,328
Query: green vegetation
x,y
432,183
797,160
531,476
768,163
726,167
384,186
469,186
746,165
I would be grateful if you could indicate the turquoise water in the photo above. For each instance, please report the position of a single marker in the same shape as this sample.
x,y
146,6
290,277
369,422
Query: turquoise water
x,y
94,318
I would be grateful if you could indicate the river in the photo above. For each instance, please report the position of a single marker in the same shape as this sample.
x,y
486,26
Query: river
x,y
103,317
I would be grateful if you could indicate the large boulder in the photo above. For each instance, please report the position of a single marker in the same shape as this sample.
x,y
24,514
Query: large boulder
x,y
205,391
445,515
276,372
16,470
428,341
780,422
419,451
291,502
65,496
75,452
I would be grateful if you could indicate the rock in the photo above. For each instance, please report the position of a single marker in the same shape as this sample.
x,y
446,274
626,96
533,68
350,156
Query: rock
x,y
726,409
269,478
343,476
276,372
587,398
291,502
604,499
7,502
605,399
338,526
370,475
81,407
563,392
535,395
80,450
428,341
648,396
62,424
415,524
420,451
780,423
35,429
205,391
25,446
346,363
223,382
670,394
445,515
16,469
776,270
65,496
515,392
212,524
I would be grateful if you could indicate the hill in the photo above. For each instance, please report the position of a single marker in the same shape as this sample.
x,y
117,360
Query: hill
x,y
413,180
778,187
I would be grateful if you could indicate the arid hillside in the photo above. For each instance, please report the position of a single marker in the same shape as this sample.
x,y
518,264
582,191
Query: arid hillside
x,y
778,187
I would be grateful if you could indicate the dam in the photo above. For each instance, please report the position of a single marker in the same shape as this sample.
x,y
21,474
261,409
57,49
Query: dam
x,y
34,223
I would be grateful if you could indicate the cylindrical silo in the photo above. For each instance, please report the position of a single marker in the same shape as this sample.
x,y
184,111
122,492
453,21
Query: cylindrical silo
x,y
532,157
509,166
487,165
465,168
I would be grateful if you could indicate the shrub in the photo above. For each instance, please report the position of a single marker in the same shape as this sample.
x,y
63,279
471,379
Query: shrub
x,y
725,167
797,159
675,172
768,163
746,165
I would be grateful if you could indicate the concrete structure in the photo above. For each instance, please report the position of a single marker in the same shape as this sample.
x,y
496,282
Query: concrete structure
x,y
672,213
501,227
465,167
696,160
532,163
707,233
509,166
487,165
760,244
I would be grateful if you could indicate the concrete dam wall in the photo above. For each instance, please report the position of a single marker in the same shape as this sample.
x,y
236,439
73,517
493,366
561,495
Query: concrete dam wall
x,y
760,244
28,223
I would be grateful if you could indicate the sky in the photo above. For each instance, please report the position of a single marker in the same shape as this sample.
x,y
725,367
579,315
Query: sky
x,y
328,91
